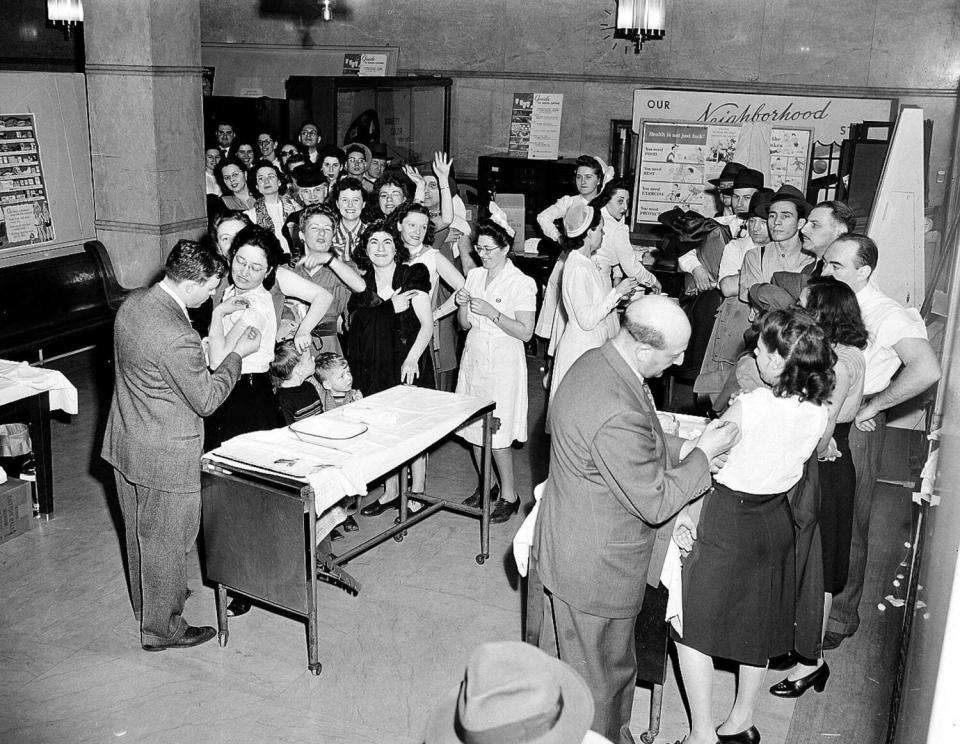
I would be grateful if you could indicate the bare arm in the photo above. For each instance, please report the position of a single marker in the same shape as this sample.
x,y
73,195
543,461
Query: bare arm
x,y
840,390
441,166
453,279
293,285
421,306
921,369
730,285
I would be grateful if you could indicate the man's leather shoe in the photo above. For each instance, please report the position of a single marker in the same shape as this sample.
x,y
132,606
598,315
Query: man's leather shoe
x,y
792,688
473,500
238,606
502,510
192,636
832,640
377,508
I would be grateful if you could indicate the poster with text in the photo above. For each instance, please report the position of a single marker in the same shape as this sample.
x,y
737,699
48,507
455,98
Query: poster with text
x,y
679,159
24,207
535,126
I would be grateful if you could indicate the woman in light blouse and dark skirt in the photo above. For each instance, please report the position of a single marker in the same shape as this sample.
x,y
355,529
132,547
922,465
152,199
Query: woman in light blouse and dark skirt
x,y
497,306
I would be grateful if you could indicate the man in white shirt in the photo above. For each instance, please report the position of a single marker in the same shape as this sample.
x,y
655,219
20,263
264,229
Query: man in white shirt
x,y
898,343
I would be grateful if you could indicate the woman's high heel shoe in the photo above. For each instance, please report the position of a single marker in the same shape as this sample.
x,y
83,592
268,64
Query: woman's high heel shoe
x,y
791,688
750,736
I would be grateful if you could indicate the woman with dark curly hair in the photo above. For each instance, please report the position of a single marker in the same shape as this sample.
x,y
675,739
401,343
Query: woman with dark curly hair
x,y
834,306
390,327
739,579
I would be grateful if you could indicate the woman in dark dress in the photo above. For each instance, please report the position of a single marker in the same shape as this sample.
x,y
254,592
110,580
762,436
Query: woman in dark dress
x,y
391,324
834,306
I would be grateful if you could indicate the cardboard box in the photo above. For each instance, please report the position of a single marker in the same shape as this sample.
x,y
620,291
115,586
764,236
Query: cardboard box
x,y
16,508
514,206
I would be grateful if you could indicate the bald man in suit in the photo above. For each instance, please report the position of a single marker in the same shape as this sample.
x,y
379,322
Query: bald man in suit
x,y
614,477
154,435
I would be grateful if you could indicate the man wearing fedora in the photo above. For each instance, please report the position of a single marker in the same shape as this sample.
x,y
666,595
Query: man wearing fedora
x,y
614,478
513,692
786,217
376,165
725,185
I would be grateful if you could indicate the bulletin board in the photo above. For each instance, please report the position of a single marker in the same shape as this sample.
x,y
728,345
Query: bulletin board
x,y
24,204
678,159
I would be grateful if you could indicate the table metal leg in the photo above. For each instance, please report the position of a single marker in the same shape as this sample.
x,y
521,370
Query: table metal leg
x,y
223,633
485,489
313,626
656,702
39,425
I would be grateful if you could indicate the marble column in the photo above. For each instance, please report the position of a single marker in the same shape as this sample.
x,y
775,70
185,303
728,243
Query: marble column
x,y
146,129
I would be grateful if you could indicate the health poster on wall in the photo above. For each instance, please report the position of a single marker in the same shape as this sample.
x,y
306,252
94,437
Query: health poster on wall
x,y
24,207
678,160
535,126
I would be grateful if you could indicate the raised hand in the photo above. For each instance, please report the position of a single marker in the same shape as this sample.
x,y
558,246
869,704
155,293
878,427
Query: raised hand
x,y
441,166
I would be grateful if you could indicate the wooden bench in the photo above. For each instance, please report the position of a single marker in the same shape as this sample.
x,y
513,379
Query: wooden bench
x,y
58,306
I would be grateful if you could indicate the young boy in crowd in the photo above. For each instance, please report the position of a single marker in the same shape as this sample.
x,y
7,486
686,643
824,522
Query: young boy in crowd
x,y
291,372
333,372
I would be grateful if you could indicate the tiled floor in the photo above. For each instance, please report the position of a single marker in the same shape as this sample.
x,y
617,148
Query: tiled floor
x,y
71,668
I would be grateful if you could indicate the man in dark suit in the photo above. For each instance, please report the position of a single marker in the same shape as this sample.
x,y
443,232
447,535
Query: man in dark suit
x,y
154,436
614,477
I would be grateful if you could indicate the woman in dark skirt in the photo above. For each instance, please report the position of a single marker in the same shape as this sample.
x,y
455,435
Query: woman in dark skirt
x,y
834,306
391,324
738,580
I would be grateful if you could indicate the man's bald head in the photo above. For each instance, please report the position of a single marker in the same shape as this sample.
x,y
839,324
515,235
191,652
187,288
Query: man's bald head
x,y
654,334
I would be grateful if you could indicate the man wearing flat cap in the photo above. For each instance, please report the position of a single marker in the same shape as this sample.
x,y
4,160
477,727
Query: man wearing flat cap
x,y
786,215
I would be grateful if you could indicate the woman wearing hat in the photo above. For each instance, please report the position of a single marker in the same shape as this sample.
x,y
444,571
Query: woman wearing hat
x,y
497,306
587,299
616,250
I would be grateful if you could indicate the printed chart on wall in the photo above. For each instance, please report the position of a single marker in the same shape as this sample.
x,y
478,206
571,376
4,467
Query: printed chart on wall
x,y
24,208
678,160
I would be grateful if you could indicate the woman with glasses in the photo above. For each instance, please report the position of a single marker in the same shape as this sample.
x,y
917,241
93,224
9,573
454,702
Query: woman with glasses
x,y
497,306
272,208
255,295
286,152
236,193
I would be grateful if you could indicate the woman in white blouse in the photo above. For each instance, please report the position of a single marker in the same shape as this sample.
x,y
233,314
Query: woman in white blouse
x,y
497,305
255,296
616,250
588,302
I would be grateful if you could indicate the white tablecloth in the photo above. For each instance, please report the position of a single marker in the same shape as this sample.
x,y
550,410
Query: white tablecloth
x,y
401,423
20,380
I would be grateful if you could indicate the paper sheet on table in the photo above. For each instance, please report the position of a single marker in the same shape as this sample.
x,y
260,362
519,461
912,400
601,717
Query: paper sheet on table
x,y
19,379
402,422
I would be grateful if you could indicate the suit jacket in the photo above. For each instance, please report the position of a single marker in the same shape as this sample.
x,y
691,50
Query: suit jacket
x,y
614,477
162,389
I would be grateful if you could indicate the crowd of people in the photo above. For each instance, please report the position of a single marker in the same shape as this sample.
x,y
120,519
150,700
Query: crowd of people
x,y
329,276
799,353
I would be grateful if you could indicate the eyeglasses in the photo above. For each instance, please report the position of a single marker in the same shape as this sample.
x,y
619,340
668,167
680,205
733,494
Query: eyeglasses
x,y
288,152
488,248
267,177
357,161
243,264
